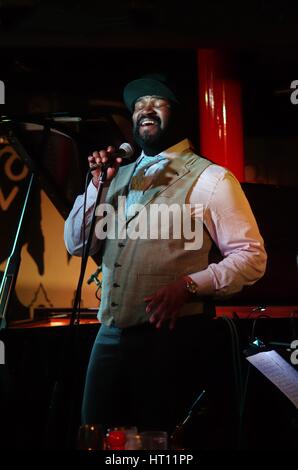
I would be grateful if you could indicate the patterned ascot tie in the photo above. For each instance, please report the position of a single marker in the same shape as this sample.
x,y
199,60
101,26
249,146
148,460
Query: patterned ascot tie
x,y
142,178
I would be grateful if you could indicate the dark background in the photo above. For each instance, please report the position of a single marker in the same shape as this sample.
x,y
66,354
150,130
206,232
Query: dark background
x,y
75,57
57,56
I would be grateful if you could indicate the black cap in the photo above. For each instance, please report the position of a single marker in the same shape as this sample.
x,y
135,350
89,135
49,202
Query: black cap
x,y
149,85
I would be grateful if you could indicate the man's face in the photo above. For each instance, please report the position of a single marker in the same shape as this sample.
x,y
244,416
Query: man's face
x,y
150,118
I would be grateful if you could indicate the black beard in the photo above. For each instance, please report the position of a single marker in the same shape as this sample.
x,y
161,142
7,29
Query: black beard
x,y
154,144
151,144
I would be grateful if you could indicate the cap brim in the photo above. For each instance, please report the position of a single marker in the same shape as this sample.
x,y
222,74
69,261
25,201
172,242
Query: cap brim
x,y
146,87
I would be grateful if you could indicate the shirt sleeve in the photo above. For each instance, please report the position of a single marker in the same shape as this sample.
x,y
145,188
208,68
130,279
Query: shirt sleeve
x,y
73,228
232,226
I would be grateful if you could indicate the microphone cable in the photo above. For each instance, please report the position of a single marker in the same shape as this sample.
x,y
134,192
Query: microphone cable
x,y
75,319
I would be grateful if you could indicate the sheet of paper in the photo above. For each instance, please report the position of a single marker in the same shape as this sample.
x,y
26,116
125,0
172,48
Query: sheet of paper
x,y
276,369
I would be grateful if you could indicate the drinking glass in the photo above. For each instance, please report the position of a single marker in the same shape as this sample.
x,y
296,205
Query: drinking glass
x,y
154,440
122,438
90,437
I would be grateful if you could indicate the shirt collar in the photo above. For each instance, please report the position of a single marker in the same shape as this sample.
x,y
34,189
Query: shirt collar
x,y
171,152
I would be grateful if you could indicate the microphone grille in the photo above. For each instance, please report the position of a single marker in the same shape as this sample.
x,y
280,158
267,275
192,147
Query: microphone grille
x,y
127,149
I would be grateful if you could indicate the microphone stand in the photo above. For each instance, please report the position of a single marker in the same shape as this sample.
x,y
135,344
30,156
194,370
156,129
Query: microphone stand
x,y
69,359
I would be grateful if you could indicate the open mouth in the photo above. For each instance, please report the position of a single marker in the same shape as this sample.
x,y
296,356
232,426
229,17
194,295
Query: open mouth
x,y
146,122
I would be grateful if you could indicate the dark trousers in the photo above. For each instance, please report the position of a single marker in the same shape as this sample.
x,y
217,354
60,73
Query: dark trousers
x,y
149,378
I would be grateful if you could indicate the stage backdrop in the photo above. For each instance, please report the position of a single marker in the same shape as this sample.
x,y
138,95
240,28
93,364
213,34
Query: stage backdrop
x,y
47,275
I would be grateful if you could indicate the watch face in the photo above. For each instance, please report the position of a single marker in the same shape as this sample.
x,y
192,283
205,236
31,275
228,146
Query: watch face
x,y
189,287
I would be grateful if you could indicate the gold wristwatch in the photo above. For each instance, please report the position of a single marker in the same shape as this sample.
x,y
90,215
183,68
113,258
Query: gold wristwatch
x,y
191,286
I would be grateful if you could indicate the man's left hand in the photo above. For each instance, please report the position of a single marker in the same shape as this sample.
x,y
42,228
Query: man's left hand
x,y
166,303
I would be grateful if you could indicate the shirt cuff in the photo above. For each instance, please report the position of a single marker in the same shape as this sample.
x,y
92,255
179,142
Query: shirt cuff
x,y
91,194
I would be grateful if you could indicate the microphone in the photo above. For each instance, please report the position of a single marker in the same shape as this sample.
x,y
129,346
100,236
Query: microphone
x,y
125,151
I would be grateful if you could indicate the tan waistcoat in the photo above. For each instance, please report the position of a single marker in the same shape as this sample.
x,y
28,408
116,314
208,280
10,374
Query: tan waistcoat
x,y
133,269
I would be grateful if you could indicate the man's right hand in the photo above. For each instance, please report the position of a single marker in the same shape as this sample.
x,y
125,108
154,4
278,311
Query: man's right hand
x,y
104,156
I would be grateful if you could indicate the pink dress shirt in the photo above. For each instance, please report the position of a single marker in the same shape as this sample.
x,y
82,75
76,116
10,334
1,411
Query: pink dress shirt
x,y
227,217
